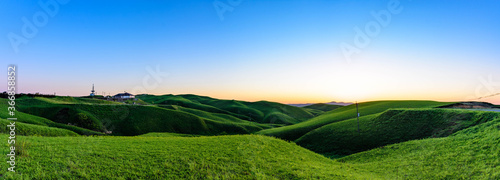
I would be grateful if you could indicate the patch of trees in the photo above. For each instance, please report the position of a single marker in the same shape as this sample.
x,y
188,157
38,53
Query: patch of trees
x,y
5,95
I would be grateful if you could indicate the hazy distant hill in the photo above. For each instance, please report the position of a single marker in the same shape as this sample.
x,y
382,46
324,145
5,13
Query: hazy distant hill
x,y
323,107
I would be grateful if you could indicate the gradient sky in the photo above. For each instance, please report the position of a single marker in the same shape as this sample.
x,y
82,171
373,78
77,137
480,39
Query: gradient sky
x,y
287,51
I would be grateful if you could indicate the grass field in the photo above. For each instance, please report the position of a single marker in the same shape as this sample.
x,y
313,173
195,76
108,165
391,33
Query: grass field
x,y
295,131
467,154
185,137
223,157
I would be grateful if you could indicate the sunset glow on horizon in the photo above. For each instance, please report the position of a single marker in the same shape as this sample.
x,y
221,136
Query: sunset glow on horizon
x,y
282,51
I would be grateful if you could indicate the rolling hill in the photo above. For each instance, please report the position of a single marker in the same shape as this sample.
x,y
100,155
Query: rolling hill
x,y
323,107
36,120
471,153
261,111
177,114
295,131
389,127
135,120
34,130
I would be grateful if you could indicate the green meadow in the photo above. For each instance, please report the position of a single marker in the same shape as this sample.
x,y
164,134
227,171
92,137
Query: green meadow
x,y
198,137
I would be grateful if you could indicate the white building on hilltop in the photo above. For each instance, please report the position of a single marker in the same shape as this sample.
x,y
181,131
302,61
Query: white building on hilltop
x,y
125,95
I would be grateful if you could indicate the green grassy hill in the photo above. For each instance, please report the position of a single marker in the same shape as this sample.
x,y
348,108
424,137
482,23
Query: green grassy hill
x,y
179,101
391,126
156,134
295,131
467,154
177,114
213,116
33,130
314,112
66,100
136,120
261,112
223,157
323,107
121,119
37,120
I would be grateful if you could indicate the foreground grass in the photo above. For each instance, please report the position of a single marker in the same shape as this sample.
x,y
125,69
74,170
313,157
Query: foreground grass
x,y
223,157
471,153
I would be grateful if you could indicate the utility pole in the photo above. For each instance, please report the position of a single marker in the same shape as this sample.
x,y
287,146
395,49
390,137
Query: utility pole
x,y
357,112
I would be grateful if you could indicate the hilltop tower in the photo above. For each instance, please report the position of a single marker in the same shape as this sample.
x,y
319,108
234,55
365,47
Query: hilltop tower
x,y
93,91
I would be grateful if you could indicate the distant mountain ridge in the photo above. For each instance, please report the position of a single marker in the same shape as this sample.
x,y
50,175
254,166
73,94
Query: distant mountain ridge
x,y
331,103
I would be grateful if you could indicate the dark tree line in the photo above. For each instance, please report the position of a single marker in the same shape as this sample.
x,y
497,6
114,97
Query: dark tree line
x,y
6,95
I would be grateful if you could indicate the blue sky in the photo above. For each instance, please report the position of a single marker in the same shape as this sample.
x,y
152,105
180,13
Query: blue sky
x,y
286,51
